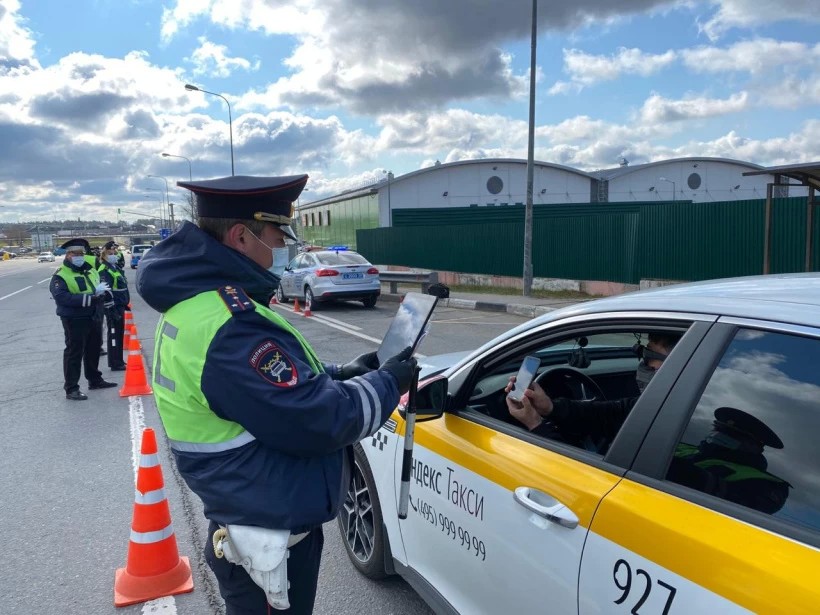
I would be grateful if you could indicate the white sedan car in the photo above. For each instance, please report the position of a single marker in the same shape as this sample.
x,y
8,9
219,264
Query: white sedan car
x,y
698,495
45,257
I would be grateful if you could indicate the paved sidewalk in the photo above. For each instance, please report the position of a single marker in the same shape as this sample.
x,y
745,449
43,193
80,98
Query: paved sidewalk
x,y
491,302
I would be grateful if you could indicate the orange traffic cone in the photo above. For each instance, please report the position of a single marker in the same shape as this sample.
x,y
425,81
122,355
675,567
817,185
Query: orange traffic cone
x,y
296,307
136,382
153,568
133,336
129,319
307,307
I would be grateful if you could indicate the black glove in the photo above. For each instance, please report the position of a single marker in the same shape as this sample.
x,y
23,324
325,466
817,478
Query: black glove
x,y
401,367
360,365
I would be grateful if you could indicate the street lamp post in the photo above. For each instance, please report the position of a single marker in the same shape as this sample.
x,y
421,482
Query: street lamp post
x,y
167,200
528,208
190,175
193,88
161,212
674,189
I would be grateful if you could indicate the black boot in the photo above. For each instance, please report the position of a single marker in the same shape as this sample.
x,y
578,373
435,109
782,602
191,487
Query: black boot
x,y
77,395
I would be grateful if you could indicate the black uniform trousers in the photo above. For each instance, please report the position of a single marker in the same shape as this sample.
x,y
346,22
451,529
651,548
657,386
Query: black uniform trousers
x,y
114,338
83,338
244,597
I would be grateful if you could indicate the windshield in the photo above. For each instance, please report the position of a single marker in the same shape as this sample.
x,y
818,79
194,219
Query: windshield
x,y
139,249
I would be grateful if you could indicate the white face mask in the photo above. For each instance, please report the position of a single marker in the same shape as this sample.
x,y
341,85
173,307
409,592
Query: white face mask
x,y
78,261
279,256
112,259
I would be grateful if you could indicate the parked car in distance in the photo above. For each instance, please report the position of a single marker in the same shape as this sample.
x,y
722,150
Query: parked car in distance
x,y
618,498
330,274
10,253
58,251
137,252
45,257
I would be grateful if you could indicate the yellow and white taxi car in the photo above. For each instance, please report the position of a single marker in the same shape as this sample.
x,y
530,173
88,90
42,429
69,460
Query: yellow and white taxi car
x,y
502,520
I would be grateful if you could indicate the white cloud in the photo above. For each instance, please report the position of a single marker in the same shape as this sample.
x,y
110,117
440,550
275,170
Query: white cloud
x,y
213,60
756,57
586,69
750,13
657,109
16,42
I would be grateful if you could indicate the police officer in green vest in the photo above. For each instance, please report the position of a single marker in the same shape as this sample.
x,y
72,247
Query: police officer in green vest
x,y
261,429
80,294
112,274
729,462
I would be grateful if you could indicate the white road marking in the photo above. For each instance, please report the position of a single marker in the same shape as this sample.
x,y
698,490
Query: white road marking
x,y
344,327
338,322
46,280
136,415
14,293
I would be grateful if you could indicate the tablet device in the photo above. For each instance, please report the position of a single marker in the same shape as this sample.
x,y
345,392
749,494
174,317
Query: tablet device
x,y
525,376
408,325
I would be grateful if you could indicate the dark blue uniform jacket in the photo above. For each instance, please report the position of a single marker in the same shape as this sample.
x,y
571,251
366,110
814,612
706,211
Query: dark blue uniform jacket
x,y
71,305
294,475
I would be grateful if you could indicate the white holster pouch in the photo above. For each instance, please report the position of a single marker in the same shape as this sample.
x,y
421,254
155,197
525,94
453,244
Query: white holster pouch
x,y
263,553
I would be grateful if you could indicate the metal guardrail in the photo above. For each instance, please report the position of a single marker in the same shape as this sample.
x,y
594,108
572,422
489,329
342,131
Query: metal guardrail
x,y
425,278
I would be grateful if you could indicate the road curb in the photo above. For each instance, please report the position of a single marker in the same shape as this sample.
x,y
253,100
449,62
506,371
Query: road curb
x,y
529,311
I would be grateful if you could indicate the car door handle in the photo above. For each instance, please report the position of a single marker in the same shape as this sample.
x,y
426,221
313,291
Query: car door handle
x,y
545,506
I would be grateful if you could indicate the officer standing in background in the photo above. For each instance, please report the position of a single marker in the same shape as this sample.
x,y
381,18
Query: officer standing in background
x,y
79,293
113,275
261,430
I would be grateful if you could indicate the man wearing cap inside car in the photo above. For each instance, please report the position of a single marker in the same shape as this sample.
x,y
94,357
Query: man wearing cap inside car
x,y
80,294
260,428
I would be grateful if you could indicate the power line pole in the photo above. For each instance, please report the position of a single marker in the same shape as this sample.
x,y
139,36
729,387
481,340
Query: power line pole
x,y
527,282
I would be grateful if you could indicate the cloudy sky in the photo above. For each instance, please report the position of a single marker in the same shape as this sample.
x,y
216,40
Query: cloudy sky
x,y
92,91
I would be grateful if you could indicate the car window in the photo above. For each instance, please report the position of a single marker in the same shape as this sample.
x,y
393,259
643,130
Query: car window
x,y
752,438
308,260
589,376
294,264
341,258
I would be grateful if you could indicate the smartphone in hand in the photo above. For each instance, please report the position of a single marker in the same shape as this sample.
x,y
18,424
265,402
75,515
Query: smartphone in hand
x,y
524,379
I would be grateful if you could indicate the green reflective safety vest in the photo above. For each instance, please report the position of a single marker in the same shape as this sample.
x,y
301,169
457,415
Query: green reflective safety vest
x,y
179,360
116,276
739,471
71,277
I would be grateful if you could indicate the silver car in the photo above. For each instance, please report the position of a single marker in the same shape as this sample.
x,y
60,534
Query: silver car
x,y
325,275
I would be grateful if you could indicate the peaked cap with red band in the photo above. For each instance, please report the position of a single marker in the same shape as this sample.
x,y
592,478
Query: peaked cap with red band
x,y
268,199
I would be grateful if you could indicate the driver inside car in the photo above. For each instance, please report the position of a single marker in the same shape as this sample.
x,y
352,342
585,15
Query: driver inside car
x,y
587,423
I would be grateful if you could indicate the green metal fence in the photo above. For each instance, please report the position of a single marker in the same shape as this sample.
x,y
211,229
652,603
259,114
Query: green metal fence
x,y
618,242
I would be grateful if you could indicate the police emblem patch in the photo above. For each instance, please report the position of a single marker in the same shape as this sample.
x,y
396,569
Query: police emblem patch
x,y
273,365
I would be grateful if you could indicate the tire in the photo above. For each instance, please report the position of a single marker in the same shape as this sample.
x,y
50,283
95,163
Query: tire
x,y
280,296
309,298
360,521
370,301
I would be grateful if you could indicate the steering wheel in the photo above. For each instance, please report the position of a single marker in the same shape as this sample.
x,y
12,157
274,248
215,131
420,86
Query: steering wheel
x,y
568,382
571,384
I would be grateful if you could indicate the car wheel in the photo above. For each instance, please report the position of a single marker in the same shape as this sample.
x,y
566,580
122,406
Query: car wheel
x,y
309,300
280,296
370,301
360,520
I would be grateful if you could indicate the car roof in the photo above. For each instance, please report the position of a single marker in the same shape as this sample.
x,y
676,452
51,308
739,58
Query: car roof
x,y
786,298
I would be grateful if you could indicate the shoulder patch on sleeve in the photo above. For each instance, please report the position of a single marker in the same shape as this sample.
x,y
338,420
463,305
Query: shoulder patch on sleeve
x,y
273,364
236,300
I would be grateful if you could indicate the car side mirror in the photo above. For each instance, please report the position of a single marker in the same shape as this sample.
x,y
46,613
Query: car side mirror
x,y
431,400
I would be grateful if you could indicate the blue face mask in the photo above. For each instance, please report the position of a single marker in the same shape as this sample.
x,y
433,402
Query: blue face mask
x,y
279,256
78,261
112,259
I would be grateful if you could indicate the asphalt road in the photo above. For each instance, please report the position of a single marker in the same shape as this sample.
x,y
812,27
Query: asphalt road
x,y
69,467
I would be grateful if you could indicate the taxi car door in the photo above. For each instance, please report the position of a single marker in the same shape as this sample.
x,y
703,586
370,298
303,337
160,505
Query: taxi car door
x,y
481,548
720,512
499,516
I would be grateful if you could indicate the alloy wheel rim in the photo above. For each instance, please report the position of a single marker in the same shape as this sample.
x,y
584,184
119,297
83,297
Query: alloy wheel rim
x,y
357,515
